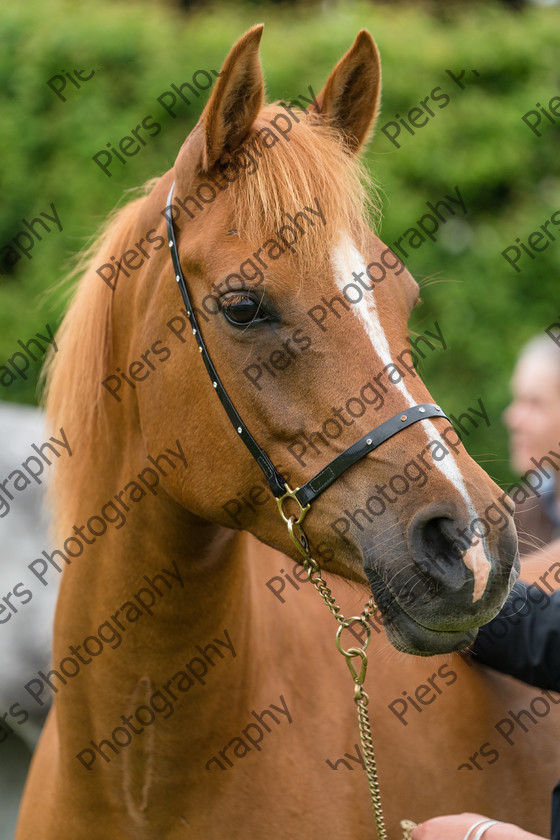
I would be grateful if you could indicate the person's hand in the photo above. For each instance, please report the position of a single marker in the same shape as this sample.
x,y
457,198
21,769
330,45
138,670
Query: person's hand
x,y
456,827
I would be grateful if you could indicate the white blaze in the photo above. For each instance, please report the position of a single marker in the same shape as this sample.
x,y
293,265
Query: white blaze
x,y
344,260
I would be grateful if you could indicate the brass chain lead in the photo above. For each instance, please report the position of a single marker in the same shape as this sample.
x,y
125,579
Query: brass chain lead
x,y
361,699
360,696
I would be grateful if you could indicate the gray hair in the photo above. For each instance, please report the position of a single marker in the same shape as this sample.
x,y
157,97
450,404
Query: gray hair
x,y
542,345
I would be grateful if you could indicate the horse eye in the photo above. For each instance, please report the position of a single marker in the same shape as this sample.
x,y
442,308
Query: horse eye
x,y
242,310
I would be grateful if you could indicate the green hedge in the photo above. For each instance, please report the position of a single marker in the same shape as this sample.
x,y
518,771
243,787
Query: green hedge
x,y
507,175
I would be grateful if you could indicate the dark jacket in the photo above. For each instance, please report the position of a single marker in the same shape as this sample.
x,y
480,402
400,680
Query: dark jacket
x,y
529,650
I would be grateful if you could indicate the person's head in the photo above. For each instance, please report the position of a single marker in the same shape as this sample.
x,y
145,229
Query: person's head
x,y
533,416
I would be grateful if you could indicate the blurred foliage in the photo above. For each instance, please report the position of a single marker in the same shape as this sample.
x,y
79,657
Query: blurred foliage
x,y
507,176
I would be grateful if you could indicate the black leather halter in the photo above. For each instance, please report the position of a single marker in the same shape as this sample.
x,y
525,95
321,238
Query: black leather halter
x,y
328,475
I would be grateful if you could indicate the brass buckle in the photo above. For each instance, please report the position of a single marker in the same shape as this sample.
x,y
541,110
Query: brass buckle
x,y
291,494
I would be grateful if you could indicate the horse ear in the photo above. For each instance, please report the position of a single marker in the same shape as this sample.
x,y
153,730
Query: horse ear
x,y
236,100
350,98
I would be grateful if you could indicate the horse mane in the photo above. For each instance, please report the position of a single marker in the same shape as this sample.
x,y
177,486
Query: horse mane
x,y
312,164
72,374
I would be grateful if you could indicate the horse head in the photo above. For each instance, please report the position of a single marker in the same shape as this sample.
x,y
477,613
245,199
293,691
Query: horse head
x,y
304,311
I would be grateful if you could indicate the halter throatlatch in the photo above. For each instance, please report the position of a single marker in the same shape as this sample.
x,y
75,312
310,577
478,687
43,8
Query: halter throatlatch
x,y
303,497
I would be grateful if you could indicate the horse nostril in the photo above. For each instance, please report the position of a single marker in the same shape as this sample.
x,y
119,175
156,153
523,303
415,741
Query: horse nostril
x,y
436,540
437,552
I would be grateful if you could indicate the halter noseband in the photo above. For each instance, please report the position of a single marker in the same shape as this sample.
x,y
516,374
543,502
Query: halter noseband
x,y
277,483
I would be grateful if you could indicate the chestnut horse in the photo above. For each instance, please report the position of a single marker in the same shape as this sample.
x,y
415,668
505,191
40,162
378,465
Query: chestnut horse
x,y
197,689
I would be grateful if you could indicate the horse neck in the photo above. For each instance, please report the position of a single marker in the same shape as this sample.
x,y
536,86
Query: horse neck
x,y
187,585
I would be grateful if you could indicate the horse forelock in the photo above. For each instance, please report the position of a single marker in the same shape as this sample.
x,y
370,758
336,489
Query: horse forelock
x,y
308,167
